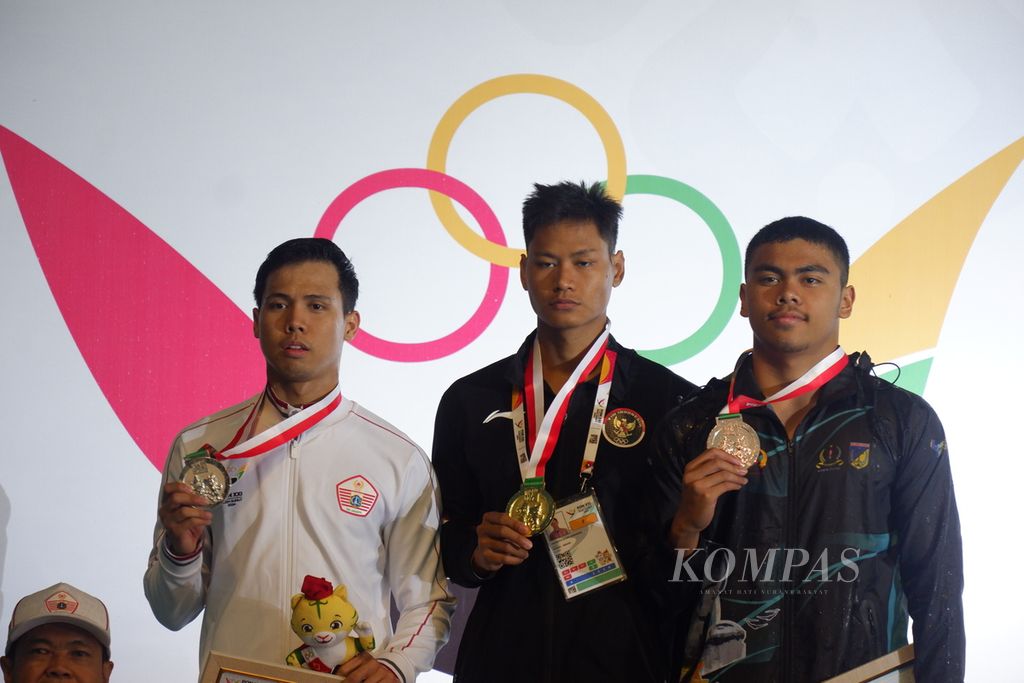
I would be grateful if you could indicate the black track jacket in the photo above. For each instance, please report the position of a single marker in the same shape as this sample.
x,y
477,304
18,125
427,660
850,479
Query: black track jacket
x,y
835,537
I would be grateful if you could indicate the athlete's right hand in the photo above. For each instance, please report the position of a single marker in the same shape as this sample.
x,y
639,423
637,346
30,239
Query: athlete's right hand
x,y
500,540
705,479
184,515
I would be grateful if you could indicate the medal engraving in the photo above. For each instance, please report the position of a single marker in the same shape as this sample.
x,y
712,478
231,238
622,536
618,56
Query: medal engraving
x,y
533,506
208,478
735,437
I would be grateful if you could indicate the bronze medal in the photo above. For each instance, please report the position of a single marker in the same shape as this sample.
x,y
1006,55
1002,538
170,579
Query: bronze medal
x,y
533,506
206,477
735,437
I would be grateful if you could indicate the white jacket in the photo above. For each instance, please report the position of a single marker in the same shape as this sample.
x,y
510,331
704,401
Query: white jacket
x,y
352,500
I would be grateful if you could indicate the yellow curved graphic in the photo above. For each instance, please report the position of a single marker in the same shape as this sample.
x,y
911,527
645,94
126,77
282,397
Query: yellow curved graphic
x,y
905,280
437,154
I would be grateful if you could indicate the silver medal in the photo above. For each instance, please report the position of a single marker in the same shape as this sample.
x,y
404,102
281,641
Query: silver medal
x,y
208,478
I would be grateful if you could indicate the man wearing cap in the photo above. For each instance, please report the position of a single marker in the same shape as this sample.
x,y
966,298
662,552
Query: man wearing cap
x,y
58,632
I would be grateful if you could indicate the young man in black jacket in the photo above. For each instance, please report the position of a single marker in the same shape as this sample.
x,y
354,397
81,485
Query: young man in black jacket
x,y
811,502
510,438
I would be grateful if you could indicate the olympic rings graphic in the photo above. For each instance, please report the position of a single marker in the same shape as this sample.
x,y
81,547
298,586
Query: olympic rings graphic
x,y
437,155
497,282
731,266
493,247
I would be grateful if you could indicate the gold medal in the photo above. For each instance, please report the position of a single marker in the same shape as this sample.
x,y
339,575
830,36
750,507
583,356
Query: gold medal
x,y
533,506
735,437
206,476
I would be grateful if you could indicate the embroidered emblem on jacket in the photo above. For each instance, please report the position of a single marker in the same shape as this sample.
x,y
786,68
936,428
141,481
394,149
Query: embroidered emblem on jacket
x,y
357,496
830,457
860,454
624,427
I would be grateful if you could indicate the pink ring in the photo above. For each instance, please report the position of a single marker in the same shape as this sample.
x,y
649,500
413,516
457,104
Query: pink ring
x,y
497,282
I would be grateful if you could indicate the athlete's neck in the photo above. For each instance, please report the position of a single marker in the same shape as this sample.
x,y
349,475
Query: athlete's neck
x,y
300,393
562,350
774,370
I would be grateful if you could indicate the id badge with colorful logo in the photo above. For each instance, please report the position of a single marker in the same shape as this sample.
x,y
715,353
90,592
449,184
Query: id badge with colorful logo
x,y
581,548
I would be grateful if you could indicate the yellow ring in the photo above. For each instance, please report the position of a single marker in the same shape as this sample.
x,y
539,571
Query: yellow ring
x,y
437,155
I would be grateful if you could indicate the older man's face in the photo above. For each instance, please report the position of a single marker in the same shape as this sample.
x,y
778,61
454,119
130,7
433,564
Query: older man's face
x,y
56,651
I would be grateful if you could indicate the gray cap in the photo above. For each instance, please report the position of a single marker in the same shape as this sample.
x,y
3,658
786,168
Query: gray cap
x,y
61,603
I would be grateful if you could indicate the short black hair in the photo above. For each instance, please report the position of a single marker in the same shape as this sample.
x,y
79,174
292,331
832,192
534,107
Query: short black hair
x,y
304,249
807,229
568,201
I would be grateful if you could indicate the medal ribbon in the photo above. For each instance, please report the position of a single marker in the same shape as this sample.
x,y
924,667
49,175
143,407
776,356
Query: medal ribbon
x,y
544,427
282,432
820,374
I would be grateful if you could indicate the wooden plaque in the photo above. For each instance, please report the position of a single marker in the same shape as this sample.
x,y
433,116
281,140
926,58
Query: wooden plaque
x,y
895,667
222,668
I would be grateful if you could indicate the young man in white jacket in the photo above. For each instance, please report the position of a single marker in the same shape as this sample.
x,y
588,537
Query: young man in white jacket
x,y
316,485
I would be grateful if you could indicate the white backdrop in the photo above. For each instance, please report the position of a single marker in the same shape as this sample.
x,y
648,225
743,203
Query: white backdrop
x,y
228,127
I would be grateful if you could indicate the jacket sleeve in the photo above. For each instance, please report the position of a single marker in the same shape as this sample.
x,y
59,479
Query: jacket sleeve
x,y
927,528
668,461
667,466
460,492
413,567
679,438
176,590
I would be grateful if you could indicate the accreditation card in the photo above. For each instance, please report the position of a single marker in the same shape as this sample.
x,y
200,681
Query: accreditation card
x,y
581,549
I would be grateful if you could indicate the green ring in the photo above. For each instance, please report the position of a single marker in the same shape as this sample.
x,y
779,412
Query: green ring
x,y
732,270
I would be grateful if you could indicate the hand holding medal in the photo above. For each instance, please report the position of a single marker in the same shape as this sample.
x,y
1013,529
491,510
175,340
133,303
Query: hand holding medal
x,y
185,508
705,479
500,541
733,447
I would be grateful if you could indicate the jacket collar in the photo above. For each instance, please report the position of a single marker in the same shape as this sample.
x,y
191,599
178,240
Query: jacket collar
x,y
841,386
515,370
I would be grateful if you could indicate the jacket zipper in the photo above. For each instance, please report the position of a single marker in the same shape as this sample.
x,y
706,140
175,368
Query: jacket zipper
x,y
288,576
787,598
872,626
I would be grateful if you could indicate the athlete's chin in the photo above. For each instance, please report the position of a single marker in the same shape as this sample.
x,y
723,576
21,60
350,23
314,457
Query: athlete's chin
x,y
568,323
783,346
293,373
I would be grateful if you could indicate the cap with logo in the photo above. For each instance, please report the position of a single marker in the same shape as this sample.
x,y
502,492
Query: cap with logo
x,y
61,603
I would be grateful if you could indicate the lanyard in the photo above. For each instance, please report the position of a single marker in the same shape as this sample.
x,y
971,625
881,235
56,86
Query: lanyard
x,y
282,432
540,433
820,374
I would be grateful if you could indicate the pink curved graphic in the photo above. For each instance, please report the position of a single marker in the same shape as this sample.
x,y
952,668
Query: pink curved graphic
x,y
164,344
497,281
